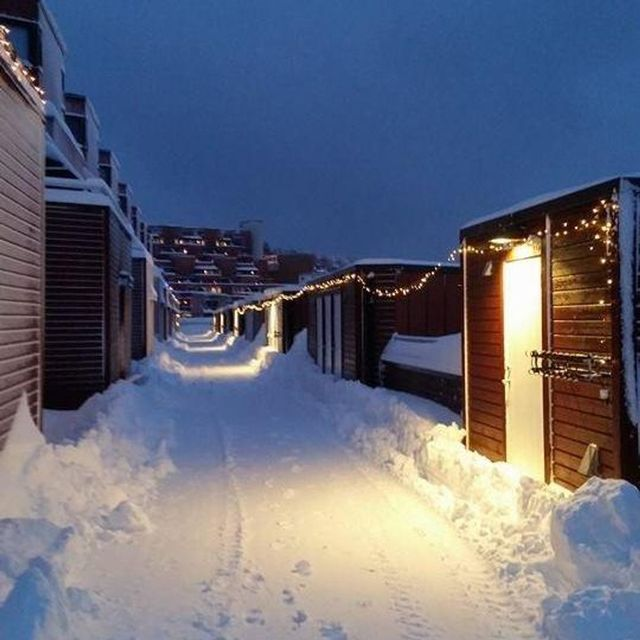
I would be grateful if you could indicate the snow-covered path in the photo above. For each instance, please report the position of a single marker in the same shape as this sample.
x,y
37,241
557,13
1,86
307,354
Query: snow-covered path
x,y
272,528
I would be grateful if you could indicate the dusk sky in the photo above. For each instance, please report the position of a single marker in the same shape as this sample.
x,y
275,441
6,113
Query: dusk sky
x,y
358,128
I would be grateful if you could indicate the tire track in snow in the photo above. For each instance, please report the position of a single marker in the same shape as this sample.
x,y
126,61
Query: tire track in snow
x,y
220,592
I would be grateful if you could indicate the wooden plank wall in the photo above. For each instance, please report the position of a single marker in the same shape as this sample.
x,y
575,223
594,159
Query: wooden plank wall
x,y
435,310
351,335
312,326
75,359
380,323
485,358
295,319
118,306
139,309
580,324
21,247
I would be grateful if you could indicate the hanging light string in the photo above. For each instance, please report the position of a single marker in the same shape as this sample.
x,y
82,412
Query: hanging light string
x,y
602,224
378,292
22,72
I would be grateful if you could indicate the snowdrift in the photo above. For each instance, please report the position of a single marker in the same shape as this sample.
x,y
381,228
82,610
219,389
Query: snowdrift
x,y
58,502
574,557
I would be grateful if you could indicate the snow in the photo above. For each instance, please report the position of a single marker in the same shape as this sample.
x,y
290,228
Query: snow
x,y
233,492
541,199
400,262
441,353
627,225
596,536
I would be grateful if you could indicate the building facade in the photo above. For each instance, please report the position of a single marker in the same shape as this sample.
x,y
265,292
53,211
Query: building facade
x,y
21,239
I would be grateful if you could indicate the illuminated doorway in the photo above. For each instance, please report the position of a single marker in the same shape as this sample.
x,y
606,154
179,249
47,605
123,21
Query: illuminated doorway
x,y
522,315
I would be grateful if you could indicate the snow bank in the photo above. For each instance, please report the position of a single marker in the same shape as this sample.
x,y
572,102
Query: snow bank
x,y
579,554
60,501
37,607
594,614
432,354
596,534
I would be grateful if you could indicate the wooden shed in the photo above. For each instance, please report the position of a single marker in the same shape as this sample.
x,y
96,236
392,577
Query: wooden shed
x,y
354,312
88,292
21,240
550,342
285,317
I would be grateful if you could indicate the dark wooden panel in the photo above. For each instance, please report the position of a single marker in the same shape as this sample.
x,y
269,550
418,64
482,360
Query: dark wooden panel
x,y
485,359
351,331
581,324
441,388
75,304
139,309
312,327
118,300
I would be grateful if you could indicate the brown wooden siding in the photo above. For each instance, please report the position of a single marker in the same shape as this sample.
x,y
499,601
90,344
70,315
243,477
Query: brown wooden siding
x,y
312,327
139,309
118,300
380,323
351,331
435,310
21,248
485,358
87,333
581,324
75,360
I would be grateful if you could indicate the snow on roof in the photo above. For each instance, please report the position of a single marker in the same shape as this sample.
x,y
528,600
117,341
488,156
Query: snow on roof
x,y
541,199
429,353
374,262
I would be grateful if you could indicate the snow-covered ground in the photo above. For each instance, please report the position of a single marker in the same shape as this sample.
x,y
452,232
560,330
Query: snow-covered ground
x,y
230,492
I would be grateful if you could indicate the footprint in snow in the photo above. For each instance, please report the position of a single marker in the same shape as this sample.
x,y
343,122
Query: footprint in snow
x,y
254,616
287,597
299,618
333,631
302,567
289,494
253,581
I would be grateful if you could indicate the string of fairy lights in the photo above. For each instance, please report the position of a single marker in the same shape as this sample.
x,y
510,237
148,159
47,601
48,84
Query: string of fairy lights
x,y
26,76
601,223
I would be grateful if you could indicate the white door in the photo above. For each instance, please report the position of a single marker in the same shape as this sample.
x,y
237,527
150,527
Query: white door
x,y
328,335
274,327
319,333
337,334
522,292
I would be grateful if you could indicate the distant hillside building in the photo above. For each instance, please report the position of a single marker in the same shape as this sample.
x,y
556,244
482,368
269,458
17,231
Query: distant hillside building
x,y
208,267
